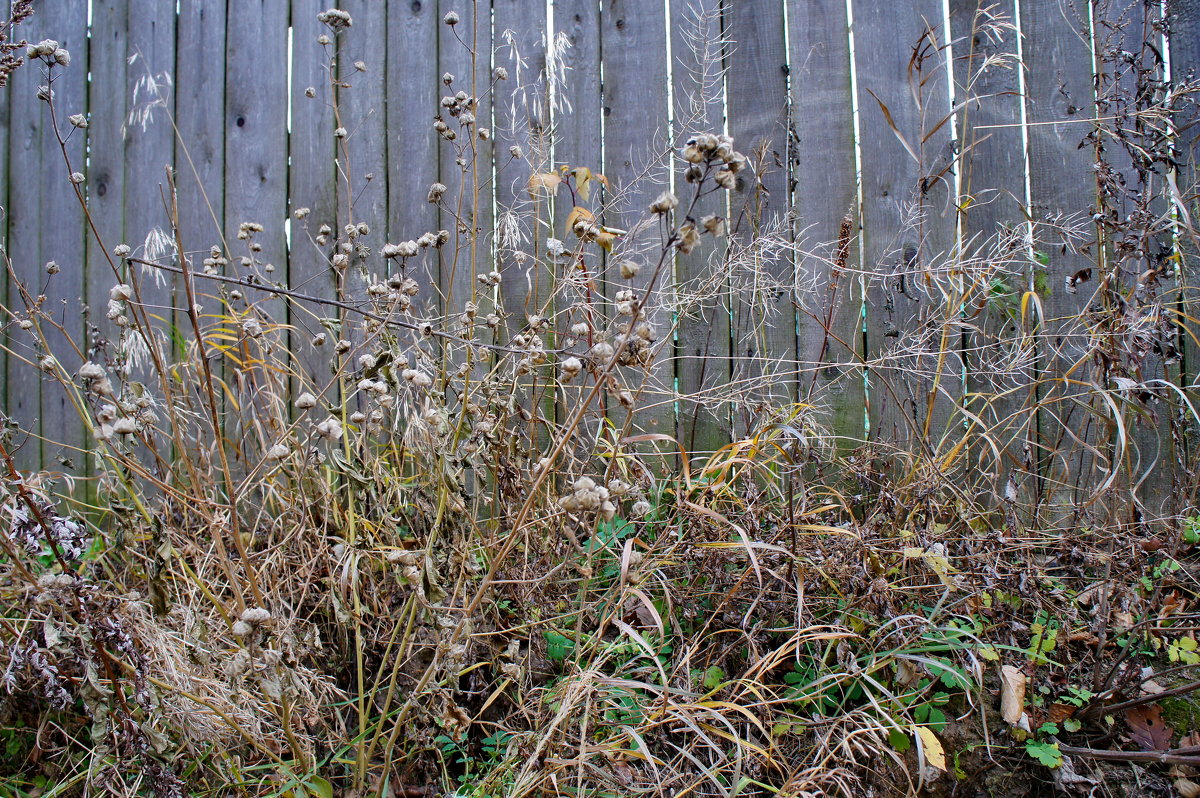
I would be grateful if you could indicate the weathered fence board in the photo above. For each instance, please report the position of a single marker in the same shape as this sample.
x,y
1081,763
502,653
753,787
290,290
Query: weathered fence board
x,y
636,135
312,184
412,105
200,115
576,114
8,330
256,181
829,303
998,347
465,164
362,192
703,367
908,220
1135,27
764,316
27,137
63,240
1184,19
1059,111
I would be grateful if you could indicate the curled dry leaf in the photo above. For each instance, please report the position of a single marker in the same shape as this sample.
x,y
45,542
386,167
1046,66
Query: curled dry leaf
x,y
1012,694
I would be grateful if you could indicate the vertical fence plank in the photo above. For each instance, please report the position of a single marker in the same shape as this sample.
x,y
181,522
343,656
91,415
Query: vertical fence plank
x,y
363,190
200,115
577,123
8,330
412,104
256,176
1060,105
464,51
25,186
702,368
106,153
1184,21
521,114
998,347
633,52
149,143
908,223
825,193
312,184
764,318
1140,192
62,235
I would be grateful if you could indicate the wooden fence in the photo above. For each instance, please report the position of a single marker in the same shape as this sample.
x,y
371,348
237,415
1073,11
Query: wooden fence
x,y
802,86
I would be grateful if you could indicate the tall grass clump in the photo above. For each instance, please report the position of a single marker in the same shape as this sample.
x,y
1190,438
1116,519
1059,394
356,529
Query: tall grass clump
x,y
420,536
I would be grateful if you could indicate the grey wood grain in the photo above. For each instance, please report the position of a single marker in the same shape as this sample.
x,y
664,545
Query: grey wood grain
x,y
312,184
63,234
25,187
998,344
824,194
1060,105
636,159
1184,21
464,51
703,357
908,223
256,101
521,116
412,103
764,314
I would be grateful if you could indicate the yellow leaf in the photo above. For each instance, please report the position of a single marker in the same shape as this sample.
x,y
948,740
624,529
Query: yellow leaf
x,y
583,176
935,755
605,239
579,214
546,180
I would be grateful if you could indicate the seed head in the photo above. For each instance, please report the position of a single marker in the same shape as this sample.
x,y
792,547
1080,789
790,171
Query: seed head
x,y
78,120
451,18
335,18
665,203
330,429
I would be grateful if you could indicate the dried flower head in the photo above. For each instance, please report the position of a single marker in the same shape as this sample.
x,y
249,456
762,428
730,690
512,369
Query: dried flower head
x,y
665,203
451,18
336,19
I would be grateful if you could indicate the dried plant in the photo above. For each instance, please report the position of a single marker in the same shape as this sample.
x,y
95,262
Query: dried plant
x,y
423,538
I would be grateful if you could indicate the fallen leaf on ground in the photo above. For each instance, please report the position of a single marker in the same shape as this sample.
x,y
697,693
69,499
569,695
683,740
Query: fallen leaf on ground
x,y
1012,694
1147,727
935,755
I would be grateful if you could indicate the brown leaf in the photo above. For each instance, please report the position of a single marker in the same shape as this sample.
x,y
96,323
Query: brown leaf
x,y
1059,712
1012,694
1147,728
1187,788
546,180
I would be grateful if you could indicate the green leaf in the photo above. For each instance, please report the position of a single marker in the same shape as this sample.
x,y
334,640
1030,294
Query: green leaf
x,y
1072,725
319,787
714,677
1046,753
558,646
899,740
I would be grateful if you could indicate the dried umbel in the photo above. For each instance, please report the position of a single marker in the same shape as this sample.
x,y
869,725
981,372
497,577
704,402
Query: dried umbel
x,y
336,19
